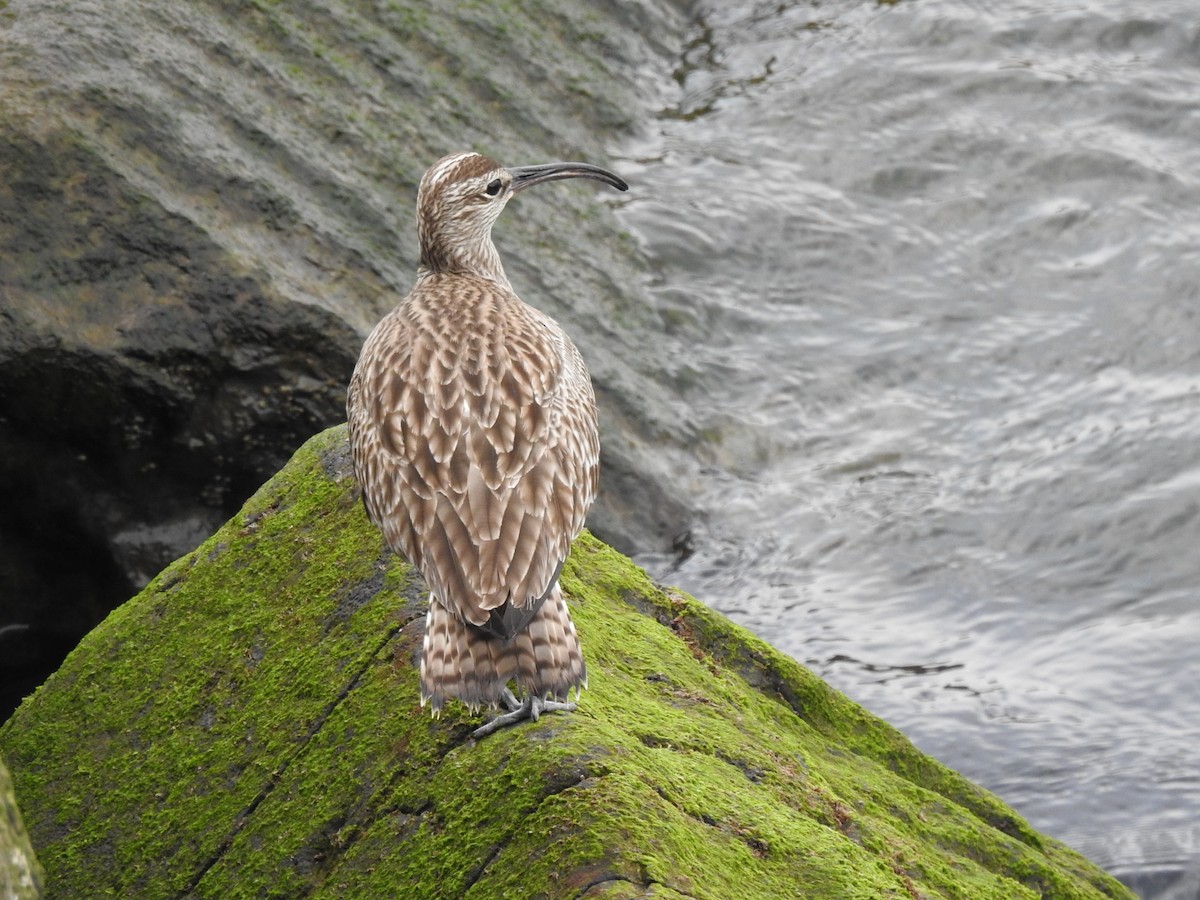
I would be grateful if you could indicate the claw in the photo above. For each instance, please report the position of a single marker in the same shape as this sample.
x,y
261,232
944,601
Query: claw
x,y
530,708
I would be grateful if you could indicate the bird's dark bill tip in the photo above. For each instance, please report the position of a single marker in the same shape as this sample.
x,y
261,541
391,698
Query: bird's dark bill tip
x,y
527,176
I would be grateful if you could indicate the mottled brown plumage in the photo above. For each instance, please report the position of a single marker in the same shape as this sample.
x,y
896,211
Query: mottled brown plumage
x,y
473,430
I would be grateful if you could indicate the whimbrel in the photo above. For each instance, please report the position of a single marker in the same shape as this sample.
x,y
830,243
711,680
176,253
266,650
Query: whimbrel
x,y
473,431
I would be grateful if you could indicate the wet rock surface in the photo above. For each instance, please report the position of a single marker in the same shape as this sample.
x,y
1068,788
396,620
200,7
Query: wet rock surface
x,y
205,206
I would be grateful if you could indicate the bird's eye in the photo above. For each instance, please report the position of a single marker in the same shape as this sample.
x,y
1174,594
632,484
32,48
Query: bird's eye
x,y
494,187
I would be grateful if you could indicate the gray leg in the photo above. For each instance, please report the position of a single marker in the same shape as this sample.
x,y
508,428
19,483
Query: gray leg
x,y
530,708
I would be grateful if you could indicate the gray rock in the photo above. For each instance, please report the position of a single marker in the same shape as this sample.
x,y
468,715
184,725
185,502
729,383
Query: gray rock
x,y
204,207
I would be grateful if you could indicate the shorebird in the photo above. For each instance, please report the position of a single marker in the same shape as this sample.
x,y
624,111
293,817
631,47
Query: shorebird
x,y
473,432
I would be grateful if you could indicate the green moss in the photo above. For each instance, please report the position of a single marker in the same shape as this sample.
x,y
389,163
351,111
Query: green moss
x,y
20,873
249,725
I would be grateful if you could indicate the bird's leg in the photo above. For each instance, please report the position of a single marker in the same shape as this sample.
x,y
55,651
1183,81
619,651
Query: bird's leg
x,y
529,708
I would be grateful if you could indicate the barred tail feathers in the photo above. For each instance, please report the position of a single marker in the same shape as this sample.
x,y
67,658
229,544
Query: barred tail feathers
x,y
549,659
454,664
458,660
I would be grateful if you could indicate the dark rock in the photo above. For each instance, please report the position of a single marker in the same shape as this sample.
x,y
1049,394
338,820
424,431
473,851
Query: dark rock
x,y
204,207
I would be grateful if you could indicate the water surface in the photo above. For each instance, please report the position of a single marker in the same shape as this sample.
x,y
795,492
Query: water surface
x,y
928,279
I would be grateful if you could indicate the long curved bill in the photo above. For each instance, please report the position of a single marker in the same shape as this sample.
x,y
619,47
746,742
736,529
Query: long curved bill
x,y
527,176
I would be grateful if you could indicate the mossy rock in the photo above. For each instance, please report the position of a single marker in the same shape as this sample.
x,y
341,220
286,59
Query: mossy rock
x,y
20,874
249,725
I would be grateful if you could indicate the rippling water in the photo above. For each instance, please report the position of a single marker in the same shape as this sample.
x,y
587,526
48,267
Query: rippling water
x,y
929,278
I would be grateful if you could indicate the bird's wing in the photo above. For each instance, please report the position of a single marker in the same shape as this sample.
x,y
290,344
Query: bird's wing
x,y
473,426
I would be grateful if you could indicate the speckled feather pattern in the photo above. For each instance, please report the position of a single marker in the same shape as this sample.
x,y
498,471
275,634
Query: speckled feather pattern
x,y
473,430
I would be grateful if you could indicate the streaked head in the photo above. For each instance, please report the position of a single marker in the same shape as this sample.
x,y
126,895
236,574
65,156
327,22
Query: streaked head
x,y
462,195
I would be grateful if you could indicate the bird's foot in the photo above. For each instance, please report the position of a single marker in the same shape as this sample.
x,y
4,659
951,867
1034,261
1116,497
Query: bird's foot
x,y
529,708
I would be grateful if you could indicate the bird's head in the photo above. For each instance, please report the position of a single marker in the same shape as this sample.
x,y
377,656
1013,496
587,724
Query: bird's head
x,y
463,194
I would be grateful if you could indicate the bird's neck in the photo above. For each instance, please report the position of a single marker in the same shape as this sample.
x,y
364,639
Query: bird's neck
x,y
477,257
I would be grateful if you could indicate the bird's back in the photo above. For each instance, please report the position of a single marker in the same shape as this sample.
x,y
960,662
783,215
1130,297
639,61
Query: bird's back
x,y
473,429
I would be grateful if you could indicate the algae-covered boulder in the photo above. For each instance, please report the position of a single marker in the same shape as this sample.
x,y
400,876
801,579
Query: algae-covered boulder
x,y
249,725
20,874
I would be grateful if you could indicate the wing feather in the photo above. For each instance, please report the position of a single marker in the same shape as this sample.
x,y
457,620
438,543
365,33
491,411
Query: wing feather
x,y
473,430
